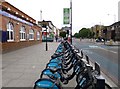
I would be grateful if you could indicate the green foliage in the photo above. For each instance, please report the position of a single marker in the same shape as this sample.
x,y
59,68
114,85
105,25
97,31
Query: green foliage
x,y
51,35
63,34
84,33
77,35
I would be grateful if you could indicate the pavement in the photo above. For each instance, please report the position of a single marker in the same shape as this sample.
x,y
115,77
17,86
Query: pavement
x,y
21,68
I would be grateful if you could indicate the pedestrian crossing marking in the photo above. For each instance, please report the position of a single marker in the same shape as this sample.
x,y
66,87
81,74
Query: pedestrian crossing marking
x,y
93,46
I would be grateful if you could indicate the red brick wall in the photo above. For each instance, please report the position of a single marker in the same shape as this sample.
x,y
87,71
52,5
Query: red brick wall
x,y
17,44
12,46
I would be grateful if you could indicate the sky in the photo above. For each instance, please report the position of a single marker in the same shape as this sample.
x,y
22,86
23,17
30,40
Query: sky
x,y
85,13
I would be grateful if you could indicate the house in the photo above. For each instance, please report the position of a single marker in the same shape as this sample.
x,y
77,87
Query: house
x,y
48,29
17,29
97,29
113,31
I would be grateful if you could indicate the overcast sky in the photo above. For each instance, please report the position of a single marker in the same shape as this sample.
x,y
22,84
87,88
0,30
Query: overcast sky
x,y
86,13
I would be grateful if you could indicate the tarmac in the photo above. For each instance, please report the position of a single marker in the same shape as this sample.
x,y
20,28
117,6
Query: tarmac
x,y
21,68
107,43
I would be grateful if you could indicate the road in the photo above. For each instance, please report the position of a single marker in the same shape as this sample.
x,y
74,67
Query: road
x,y
106,56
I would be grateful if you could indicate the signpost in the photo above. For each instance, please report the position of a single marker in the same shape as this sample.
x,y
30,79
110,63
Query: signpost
x,y
67,19
66,16
119,11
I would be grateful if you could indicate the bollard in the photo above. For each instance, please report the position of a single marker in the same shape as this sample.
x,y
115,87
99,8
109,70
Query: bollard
x,y
111,42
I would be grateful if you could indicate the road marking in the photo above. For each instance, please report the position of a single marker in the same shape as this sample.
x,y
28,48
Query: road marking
x,y
88,51
93,46
108,50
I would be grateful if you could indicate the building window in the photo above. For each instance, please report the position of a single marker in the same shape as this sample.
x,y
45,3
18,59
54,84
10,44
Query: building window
x,y
38,35
22,34
10,32
31,34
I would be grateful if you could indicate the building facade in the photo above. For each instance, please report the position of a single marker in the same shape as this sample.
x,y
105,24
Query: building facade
x,y
50,30
97,29
17,29
113,31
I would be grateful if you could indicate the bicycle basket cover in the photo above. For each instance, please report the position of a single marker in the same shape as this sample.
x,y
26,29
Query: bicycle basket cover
x,y
54,65
49,73
56,60
45,83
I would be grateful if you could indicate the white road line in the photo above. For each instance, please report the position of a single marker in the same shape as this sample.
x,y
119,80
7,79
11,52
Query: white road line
x,y
108,50
94,46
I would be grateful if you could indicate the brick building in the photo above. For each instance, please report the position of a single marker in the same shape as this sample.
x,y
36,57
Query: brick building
x,y
113,31
52,31
17,29
97,29
109,32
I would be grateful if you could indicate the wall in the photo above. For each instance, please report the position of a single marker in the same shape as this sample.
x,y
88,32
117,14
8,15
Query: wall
x,y
17,44
12,46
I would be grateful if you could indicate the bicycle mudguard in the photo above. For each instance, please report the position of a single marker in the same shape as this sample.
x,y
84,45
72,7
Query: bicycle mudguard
x,y
46,83
56,60
58,55
46,72
49,73
54,65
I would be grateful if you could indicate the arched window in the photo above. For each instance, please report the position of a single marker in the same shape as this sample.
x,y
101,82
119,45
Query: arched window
x,y
31,34
10,32
22,34
38,35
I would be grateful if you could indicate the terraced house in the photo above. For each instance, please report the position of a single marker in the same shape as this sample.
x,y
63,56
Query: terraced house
x,y
17,29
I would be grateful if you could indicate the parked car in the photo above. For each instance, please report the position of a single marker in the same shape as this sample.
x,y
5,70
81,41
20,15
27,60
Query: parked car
x,y
100,40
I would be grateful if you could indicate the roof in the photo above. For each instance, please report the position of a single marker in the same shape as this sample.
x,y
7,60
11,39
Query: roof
x,y
46,23
115,23
13,10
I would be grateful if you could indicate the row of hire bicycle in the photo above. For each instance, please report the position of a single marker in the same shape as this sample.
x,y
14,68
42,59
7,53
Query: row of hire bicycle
x,y
66,63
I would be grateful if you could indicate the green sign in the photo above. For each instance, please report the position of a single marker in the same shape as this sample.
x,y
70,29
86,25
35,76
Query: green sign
x,y
66,16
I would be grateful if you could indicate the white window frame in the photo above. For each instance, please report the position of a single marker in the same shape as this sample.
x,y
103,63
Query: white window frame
x,y
10,29
22,34
38,35
31,34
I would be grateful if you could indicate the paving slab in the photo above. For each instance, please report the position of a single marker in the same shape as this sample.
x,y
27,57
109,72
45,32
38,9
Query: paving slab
x,y
21,68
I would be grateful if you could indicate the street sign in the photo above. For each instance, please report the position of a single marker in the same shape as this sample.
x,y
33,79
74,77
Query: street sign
x,y
66,15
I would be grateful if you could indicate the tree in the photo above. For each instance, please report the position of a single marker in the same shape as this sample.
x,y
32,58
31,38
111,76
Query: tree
x,y
63,34
77,35
85,33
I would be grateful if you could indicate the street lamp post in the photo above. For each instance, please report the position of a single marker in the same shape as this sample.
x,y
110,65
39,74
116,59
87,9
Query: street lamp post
x,y
46,40
71,20
44,25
